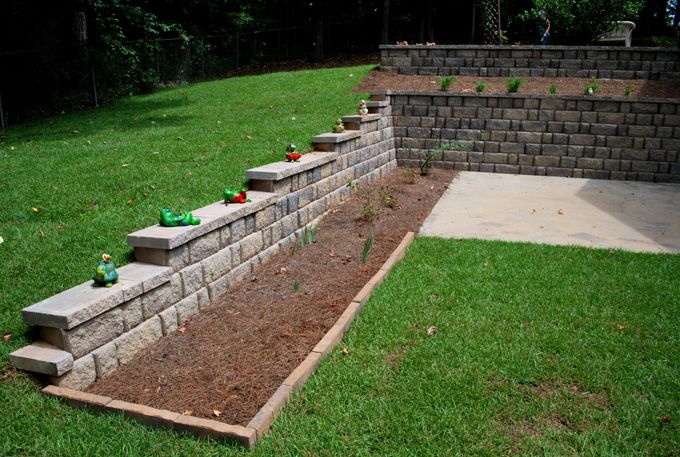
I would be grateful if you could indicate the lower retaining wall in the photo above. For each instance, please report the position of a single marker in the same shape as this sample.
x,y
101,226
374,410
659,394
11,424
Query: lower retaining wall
x,y
571,136
87,332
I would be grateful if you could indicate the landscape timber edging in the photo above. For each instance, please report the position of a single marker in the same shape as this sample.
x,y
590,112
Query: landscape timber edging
x,y
260,424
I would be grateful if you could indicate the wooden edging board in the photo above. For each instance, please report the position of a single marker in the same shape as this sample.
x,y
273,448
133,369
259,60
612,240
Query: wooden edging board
x,y
259,425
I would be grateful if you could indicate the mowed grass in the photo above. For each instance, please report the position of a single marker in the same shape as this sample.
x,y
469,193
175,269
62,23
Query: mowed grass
x,y
72,187
539,350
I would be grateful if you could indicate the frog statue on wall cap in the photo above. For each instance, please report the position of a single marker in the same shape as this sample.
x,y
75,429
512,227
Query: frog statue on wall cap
x,y
339,127
291,153
235,196
363,108
168,220
105,273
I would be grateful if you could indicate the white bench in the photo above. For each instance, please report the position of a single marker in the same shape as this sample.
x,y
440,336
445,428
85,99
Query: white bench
x,y
621,31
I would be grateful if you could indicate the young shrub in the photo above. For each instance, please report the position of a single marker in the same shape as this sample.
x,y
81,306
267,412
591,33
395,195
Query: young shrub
x,y
480,86
513,84
410,175
446,81
629,90
591,87
368,244
553,89
388,197
369,209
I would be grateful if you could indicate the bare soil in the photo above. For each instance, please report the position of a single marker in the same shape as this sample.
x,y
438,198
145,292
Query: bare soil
x,y
383,80
230,358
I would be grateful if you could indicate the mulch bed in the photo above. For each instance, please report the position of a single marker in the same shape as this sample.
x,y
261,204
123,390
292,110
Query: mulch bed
x,y
383,80
232,356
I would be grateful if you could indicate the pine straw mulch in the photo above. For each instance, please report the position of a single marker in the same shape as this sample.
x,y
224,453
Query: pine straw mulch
x,y
378,81
233,355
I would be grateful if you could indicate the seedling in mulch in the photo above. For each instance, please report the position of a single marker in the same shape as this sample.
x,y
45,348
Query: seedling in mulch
x,y
296,287
513,84
553,89
410,175
628,90
480,86
308,235
388,197
368,244
352,185
446,81
425,163
591,87
369,209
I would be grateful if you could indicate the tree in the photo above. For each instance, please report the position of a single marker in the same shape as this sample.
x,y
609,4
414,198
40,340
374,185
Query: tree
x,y
385,35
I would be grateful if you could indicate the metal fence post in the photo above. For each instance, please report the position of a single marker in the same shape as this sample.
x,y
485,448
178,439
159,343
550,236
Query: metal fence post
x,y
2,113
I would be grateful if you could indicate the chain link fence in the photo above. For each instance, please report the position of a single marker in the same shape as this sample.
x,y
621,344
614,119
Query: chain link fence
x,y
36,83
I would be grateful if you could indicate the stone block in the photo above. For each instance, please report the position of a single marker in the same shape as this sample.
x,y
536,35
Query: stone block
x,y
251,246
217,265
176,258
192,277
151,417
265,217
138,338
81,376
238,230
94,333
204,246
168,320
43,358
547,161
188,306
582,140
106,359
590,163
203,298
217,430
159,299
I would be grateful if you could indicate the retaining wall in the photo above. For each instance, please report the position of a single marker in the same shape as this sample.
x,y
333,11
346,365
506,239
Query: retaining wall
x,y
551,61
571,136
86,332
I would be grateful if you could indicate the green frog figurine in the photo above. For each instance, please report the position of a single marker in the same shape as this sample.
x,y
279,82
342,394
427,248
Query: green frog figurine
x,y
235,196
105,273
339,127
182,219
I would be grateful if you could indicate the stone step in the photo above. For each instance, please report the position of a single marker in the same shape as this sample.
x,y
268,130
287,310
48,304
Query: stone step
x,y
357,118
81,303
212,218
42,358
377,103
334,138
279,170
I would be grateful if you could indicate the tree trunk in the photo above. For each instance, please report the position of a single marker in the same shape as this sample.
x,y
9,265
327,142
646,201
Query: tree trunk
x,y
474,21
318,31
385,36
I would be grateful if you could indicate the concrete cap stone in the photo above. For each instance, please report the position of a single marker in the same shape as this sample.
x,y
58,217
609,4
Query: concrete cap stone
x,y
81,303
336,137
377,103
43,358
358,118
212,217
280,170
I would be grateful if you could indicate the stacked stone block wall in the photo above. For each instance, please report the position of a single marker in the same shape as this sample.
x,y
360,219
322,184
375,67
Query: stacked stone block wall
x,y
544,61
590,137
88,332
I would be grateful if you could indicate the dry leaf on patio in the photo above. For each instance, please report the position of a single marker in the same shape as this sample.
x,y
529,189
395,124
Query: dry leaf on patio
x,y
217,413
432,330
182,329
560,212
6,337
331,254
187,412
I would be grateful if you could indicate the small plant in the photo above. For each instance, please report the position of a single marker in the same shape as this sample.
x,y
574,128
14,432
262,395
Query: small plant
x,y
368,244
387,196
553,89
352,185
513,84
296,287
446,81
629,90
480,86
308,235
591,87
425,163
410,175
369,209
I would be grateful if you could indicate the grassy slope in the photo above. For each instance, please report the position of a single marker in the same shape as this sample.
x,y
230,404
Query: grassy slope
x,y
100,175
539,351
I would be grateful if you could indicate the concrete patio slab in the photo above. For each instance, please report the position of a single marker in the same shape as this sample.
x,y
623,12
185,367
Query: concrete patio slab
x,y
635,216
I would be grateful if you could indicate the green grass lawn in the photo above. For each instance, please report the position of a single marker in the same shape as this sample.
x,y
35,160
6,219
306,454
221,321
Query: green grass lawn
x,y
539,350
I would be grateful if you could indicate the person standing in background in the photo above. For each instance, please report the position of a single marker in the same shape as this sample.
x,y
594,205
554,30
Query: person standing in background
x,y
545,30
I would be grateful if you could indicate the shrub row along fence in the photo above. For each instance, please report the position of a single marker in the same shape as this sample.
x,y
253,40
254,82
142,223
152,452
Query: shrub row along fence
x,y
571,136
548,61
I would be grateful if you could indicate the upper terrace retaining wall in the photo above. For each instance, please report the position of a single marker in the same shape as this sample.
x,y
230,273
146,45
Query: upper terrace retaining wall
x,y
549,61
86,332
571,136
